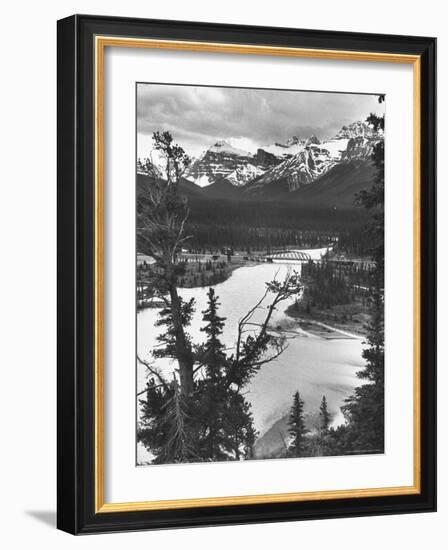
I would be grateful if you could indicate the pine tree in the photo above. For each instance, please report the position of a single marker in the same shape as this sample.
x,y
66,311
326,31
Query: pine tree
x,y
297,427
179,443
364,410
161,224
224,414
165,426
167,339
238,426
324,415
211,389
213,349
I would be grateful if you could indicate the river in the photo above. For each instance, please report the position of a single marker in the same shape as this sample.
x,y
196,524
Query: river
x,y
311,364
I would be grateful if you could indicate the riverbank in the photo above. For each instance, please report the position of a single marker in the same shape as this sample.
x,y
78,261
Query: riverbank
x,y
197,274
212,272
342,321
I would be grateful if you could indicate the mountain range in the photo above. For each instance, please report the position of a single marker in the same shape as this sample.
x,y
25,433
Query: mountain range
x,y
325,173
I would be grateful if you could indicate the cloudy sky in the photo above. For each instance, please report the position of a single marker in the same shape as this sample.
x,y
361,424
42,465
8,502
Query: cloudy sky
x,y
199,116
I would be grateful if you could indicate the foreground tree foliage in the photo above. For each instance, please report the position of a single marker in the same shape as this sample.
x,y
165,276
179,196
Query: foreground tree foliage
x,y
363,430
199,413
297,428
364,410
324,415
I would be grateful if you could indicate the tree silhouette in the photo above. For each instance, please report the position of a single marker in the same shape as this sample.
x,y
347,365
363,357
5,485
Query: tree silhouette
x,y
324,415
364,410
297,427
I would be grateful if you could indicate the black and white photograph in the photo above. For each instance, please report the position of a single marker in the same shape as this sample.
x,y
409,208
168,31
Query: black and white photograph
x,y
259,276
219,272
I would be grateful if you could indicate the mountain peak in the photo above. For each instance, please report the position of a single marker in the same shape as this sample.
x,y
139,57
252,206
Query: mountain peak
x,y
355,129
224,146
294,140
222,143
312,140
297,162
220,161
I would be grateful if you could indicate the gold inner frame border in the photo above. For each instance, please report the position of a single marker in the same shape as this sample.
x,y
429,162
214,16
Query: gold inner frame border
x,y
100,44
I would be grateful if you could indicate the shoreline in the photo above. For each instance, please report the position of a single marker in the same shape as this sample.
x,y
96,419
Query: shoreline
x,y
225,274
229,268
328,332
317,324
320,322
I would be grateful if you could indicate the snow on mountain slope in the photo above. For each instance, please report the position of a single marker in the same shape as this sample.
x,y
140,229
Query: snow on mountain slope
x,y
293,164
301,169
359,147
335,147
244,174
315,158
283,150
223,161
356,129
225,147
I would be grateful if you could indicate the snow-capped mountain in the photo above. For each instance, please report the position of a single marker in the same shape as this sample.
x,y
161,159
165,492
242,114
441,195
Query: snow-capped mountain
x,y
223,161
296,163
284,150
223,147
359,147
244,174
315,158
301,169
356,129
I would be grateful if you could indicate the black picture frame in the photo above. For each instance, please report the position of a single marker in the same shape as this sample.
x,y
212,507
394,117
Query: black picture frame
x,y
76,256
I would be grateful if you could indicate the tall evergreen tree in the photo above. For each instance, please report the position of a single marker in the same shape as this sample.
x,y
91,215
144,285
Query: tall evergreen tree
x,y
238,426
324,415
223,412
297,428
364,410
167,338
212,390
213,349
160,234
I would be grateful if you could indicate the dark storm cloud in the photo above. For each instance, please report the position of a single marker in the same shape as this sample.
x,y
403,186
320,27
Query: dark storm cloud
x,y
198,116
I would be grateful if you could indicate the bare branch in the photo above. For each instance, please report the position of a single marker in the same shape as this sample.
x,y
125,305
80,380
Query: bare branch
x,y
146,389
243,321
154,371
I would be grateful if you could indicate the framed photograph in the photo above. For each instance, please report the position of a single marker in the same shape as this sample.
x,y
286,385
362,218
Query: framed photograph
x,y
246,274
